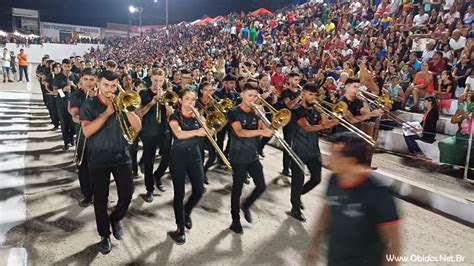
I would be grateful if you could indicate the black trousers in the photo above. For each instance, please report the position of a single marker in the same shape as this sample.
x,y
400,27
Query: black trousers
x,y
150,144
255,170
286,156
297,179
220,140
186,161
134,153
24,69
52,110
67,125
123,179
85,178
212,155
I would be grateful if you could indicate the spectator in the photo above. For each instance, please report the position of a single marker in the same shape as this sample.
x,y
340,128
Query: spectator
x,y
23,65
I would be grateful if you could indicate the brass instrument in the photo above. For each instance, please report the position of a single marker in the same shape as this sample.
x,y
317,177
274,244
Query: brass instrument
x,y
125,102
215,120
281,117
79,158
211,139
337,111
382,102
169,98
224,105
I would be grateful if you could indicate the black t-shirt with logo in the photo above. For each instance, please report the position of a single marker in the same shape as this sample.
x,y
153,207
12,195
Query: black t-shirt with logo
x,y
186,124
107,147
243,150
287,93
356,213
305,144
150,126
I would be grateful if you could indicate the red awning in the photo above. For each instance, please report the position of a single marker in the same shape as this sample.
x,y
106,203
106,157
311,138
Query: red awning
x,y
261,11
204,21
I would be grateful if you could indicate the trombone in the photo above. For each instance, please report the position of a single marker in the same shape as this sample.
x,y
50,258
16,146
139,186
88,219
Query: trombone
x,y
382,102
277,121
125,102
280,118
224,105
337,111
169,98
211,139
78,158
215,120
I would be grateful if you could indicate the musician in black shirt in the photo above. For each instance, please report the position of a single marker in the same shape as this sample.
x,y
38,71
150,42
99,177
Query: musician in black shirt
x,y
359,110
245,133
63,84
185,158
359,219
108,152
155,132
87,88
290,96
206,106
308,121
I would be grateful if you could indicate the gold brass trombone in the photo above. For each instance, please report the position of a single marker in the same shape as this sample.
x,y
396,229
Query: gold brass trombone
x,y
280,118
215,119
169,98
211,139
337,111
125,102
224,105
78,158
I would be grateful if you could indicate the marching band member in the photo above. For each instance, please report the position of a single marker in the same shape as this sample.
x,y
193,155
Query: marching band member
x,y
309,121
87,85
246,130
205,105
227,91
185,158
290,96
154,133
108,152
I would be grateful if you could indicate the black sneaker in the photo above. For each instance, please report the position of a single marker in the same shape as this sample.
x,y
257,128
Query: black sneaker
x,y
117,230
236,227
178,236
161,186
298,215
105,246
247,215
86,202
149,197
188,223
206,180
10,80
247,179
136,176
66,147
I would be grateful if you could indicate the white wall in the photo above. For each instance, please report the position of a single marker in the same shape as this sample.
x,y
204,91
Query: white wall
x,y
56,51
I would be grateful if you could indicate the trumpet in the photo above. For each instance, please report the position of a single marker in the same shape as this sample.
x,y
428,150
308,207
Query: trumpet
x,y
211,139
78,158
282,116
337,111
125,102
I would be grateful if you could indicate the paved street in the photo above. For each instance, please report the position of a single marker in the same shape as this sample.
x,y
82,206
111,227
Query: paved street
x,y
38,182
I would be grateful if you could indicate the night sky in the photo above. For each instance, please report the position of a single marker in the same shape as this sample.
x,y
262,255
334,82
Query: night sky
x,y
99,12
